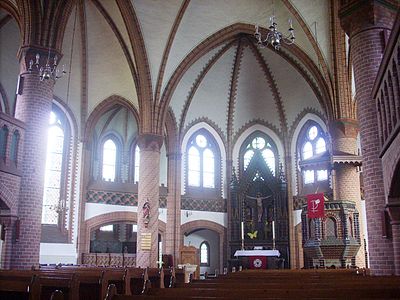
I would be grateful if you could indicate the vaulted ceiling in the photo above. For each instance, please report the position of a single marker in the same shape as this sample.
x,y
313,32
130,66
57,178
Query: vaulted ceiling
x,y
200,56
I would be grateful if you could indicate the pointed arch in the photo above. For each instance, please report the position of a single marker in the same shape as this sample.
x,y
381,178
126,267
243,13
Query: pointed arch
x,y
226,35
103,107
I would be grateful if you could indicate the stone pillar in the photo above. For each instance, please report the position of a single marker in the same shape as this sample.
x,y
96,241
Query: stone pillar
x,y
148,203
347,180
367,23
33,107
173,234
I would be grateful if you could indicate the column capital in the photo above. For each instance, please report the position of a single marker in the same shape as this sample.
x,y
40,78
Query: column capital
x,y
343,128
150,142
359,15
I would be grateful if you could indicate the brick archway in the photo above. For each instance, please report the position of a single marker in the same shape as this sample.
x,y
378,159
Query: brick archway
x,y
192,226
113,217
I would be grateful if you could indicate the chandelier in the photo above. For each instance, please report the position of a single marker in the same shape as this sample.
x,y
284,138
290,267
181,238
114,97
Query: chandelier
x,y
47,71
274,37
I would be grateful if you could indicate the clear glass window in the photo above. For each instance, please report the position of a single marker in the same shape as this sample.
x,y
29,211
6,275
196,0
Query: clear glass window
x,y
263,146
137,163
107,228
208,169
204,253
247,158
269,158
307,150
53,172
312,132
201,141
109,160
308,176
194,167
320,146
322,175
201,162
258,143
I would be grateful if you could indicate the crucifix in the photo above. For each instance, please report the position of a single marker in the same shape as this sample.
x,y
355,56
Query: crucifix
x,y
259,201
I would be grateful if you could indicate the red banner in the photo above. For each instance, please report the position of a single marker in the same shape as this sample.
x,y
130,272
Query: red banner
x,y
315,205
257,262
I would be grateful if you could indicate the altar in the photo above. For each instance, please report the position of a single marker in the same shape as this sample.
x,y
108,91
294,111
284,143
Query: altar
x,y
259,259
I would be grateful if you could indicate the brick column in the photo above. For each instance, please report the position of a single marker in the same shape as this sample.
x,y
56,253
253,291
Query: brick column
x,y
367,23
148,193
347,180
173,234
394,211
33,107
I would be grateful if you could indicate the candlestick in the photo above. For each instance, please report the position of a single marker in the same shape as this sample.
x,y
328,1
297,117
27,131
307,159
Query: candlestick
x,y
273,230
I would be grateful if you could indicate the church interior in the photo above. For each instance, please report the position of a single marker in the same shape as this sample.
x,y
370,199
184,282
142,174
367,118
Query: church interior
x,y
137,130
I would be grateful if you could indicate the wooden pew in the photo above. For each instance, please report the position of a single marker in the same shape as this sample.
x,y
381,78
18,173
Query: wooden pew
x,y
136,281
156,277
16,285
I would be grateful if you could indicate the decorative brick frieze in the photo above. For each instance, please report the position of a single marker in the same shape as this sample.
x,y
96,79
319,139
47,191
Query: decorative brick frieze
x,y
215,205
118,198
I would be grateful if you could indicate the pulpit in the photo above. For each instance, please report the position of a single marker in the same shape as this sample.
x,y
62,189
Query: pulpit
x,y
190,260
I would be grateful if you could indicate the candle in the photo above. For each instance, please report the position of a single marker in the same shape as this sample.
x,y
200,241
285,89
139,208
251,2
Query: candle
x,y
273,230
242,230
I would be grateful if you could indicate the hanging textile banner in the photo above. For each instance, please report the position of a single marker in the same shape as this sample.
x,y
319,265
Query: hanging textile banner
x,y
315,205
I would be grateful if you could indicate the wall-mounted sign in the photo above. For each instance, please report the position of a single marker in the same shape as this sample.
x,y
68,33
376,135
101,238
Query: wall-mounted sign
x,y
145,241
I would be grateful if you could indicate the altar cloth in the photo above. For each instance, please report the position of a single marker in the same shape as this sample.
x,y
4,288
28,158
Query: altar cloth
x,y
257,253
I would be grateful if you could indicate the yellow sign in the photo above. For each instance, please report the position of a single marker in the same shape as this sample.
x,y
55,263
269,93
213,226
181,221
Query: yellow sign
x,y
145,243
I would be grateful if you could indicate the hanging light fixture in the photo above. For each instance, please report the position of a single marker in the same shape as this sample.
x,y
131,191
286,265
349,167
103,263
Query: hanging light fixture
x,y
275,37
49,70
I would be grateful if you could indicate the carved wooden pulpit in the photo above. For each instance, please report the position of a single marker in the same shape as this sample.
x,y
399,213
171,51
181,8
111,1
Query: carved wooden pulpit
x,y
190,255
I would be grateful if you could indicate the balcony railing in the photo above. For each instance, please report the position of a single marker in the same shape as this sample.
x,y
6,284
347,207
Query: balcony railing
x,y
386,90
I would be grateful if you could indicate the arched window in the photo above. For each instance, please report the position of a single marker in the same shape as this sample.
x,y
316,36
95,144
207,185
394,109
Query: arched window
x,y
3,141
201,161
52,202
109,160
312,144
261,143
330,227
137,163
14,146
204,254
